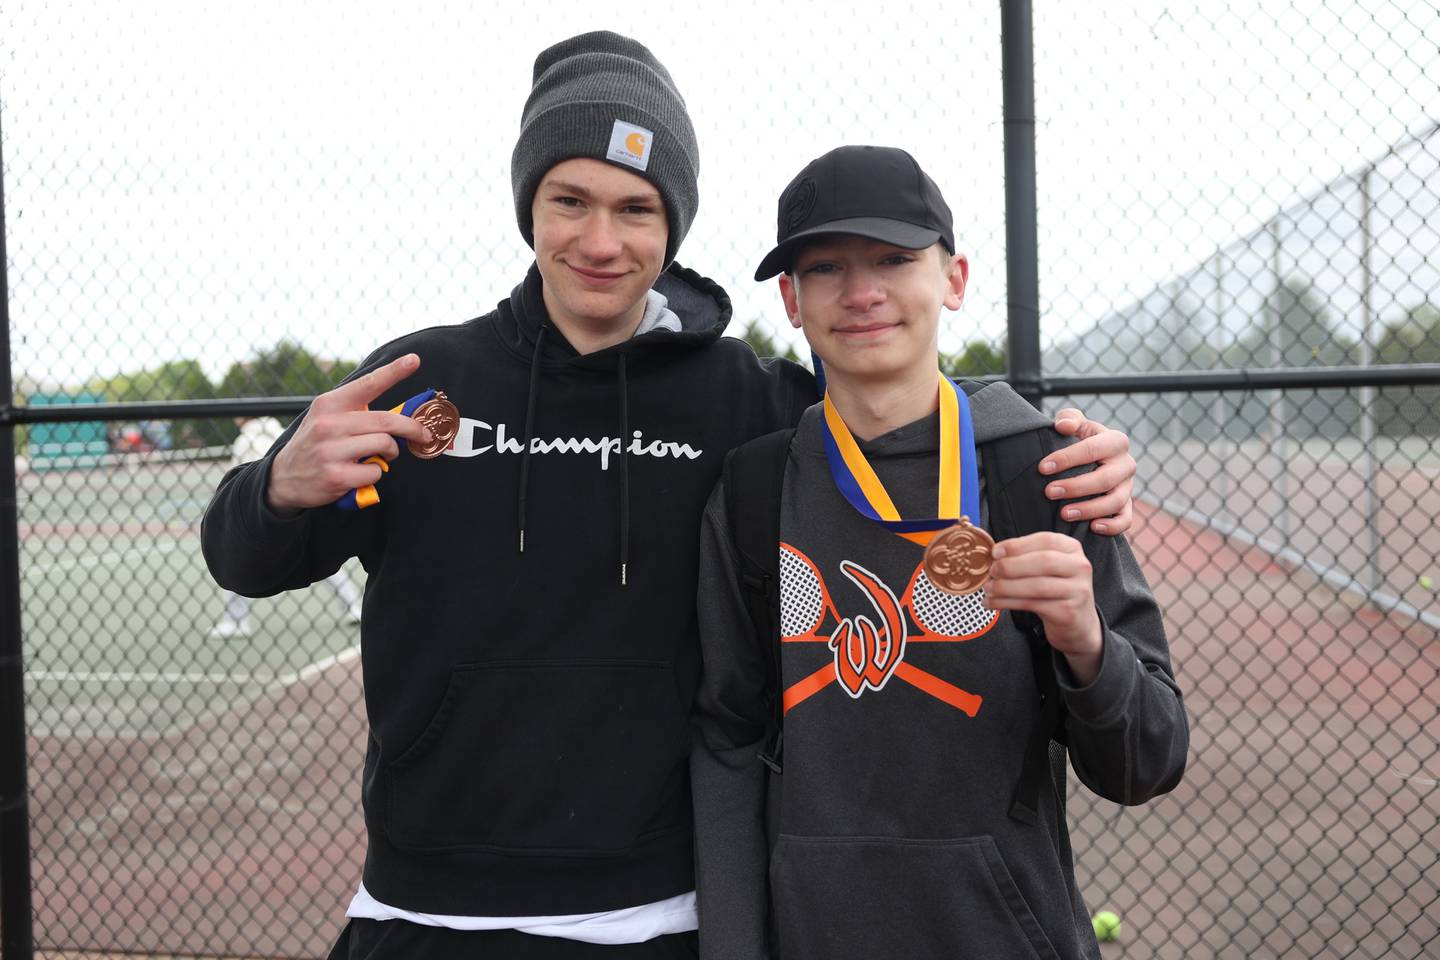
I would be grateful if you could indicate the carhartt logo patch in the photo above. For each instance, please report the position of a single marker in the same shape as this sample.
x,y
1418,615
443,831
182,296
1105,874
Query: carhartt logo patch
x,y
630,145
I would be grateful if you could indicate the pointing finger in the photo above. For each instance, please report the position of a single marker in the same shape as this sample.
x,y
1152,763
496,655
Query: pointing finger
x,y
358,393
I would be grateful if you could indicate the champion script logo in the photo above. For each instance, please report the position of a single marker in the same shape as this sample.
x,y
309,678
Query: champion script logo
x,y
477,437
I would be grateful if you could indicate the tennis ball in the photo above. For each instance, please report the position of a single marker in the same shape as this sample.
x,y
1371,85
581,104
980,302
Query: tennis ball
x,y
1107,926
1427,583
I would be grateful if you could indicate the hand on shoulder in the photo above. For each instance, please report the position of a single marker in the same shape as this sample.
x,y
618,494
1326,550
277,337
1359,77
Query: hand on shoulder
x,y
1110,485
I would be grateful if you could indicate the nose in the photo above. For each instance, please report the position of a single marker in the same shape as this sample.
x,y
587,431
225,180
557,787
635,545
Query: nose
x,y
599,238
862,290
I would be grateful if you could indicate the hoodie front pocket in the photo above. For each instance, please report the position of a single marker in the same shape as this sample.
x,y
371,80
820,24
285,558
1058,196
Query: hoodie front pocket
x,y
570,757
845,897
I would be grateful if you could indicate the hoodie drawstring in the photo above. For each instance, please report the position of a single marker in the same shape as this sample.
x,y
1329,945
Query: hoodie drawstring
x,y
624,458
624,475
529,428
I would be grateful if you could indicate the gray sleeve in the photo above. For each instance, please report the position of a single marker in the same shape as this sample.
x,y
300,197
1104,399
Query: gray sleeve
x,y
1127,730
728,779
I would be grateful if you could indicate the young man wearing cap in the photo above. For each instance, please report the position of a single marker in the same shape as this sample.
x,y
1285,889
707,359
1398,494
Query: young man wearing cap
x,y
529,645
909,804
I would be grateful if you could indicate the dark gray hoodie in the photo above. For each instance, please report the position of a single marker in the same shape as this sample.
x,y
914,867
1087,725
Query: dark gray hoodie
x,y
895,836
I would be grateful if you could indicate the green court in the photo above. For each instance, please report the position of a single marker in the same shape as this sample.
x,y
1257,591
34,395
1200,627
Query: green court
x,y
118,605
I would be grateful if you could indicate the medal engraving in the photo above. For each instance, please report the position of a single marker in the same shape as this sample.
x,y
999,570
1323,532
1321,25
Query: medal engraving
x,y
439,415
958,559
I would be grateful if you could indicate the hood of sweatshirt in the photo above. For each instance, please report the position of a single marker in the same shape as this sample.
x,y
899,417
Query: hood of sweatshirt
x,y
996,409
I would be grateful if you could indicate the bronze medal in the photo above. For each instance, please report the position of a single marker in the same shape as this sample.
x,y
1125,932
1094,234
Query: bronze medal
x,y
439,415
957,559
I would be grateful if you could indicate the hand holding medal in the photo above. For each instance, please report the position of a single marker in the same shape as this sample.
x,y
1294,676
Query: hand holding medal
x,y
1048,574
334,447
434,411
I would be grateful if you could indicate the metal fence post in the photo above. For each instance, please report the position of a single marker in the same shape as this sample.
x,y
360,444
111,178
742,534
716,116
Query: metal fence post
x,y
1279,448
1022,255
1368,393
16,915
1217,406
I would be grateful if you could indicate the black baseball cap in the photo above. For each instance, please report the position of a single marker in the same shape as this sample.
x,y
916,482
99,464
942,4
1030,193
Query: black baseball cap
x,y
875,192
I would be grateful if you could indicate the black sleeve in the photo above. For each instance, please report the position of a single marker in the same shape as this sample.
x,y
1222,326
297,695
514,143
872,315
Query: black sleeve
x,y
255,552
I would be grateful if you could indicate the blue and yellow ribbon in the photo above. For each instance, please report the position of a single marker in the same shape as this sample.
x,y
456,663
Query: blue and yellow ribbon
x,y
959,487
368,496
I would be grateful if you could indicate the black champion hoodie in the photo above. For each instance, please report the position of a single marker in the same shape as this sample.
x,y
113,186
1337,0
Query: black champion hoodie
x,y
528,710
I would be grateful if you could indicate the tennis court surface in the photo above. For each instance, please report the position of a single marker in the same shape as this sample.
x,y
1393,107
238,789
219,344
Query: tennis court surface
x,y
200,796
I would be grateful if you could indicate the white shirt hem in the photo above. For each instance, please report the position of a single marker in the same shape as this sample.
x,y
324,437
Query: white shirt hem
x,y
627,925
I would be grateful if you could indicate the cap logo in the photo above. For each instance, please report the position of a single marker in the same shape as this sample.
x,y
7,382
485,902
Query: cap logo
x,y
630,145
799,202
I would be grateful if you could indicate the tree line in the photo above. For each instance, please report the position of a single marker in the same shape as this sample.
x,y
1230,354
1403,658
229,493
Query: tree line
x,y
284,370
1294,329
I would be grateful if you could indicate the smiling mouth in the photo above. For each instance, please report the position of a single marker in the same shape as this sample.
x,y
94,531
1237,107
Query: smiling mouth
x,y
597,278
865,330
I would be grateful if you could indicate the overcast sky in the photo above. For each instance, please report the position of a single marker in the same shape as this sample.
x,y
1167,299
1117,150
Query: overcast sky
x,y
199,179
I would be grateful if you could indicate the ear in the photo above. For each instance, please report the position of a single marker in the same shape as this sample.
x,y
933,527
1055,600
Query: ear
x,y
791,296
957,275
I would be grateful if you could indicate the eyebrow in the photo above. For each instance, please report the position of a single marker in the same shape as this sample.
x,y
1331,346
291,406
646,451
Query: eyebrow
x,y
816,251
584,194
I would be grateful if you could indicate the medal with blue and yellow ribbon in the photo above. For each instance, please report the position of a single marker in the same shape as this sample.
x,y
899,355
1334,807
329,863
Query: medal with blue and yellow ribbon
x,y
957,552
438,414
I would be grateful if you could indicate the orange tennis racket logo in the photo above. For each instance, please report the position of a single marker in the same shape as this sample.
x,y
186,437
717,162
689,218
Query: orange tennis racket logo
x,y
865,652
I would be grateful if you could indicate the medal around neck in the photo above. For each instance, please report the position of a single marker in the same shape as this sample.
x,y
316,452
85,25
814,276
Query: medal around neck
x,y
958,553
957,559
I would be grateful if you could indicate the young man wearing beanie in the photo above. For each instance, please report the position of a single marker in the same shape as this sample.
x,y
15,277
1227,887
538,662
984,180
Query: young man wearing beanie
x,y
529,644
912,806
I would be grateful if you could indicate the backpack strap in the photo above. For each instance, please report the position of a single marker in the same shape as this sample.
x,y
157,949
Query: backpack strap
x,y
1015,495
753,476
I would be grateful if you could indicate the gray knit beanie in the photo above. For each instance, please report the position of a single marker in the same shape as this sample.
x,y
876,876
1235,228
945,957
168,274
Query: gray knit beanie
x,y
605,96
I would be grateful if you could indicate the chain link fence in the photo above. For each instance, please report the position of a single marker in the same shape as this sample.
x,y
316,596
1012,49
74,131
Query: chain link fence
x,y
214,205
1291,533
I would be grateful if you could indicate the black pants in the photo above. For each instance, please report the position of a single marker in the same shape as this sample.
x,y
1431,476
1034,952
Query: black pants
x,y
402,940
